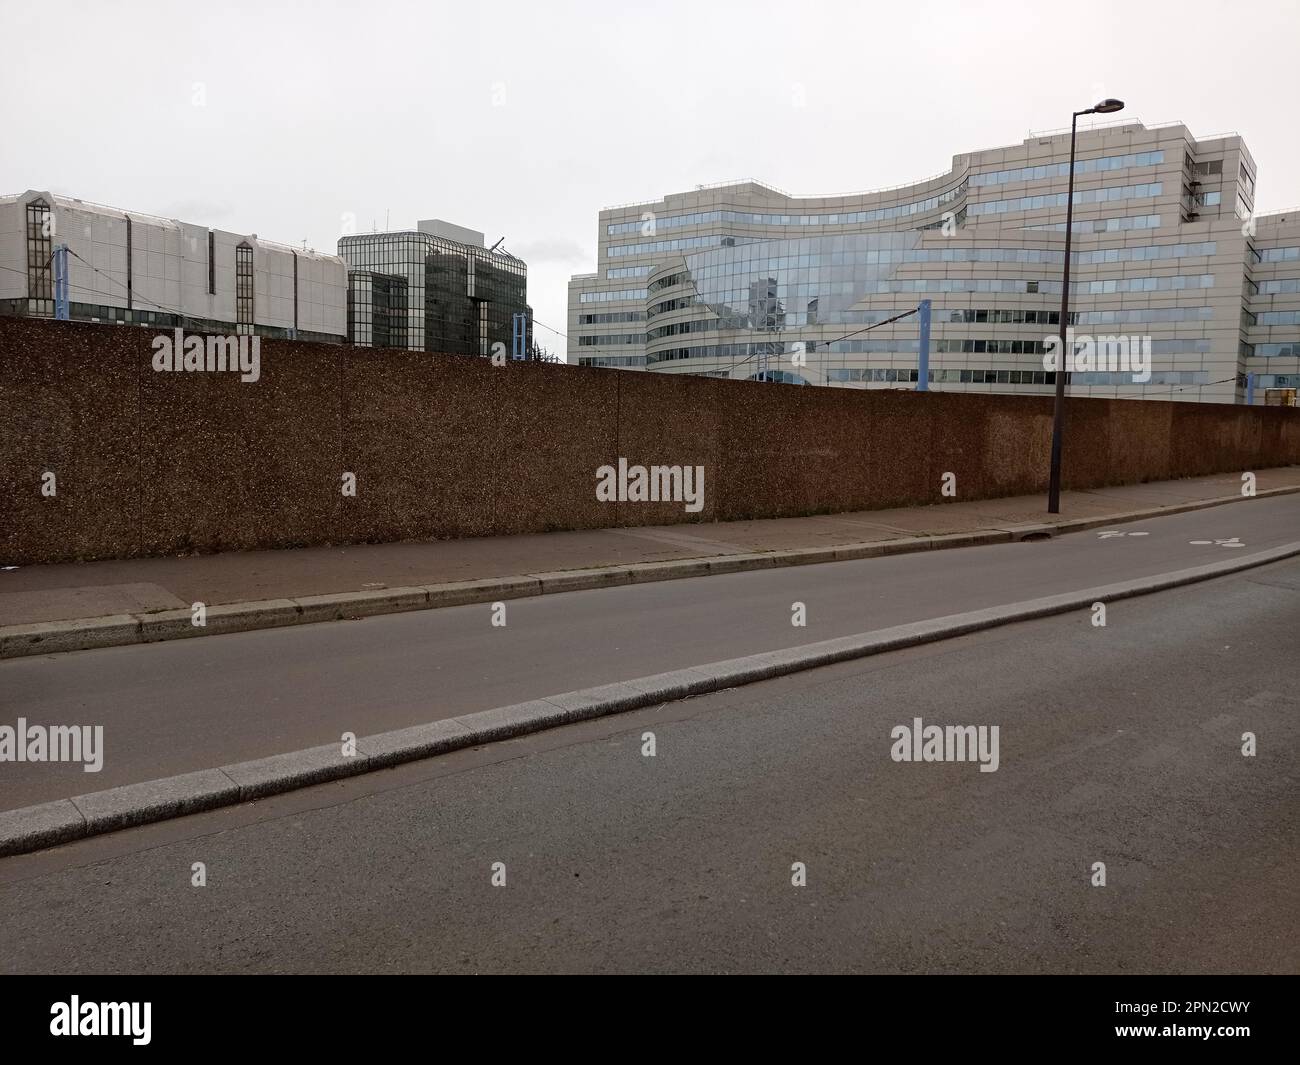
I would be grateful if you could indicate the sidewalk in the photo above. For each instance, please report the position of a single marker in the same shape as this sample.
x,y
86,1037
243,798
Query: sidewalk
x,y
314,584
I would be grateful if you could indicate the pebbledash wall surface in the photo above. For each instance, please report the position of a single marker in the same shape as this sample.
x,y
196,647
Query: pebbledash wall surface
x,y
154,463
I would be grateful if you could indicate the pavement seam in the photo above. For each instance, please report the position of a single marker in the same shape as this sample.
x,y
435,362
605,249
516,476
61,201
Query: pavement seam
x,y
77,634
50,823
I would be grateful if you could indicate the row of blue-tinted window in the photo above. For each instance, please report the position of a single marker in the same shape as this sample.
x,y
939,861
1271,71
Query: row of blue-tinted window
x,y
902,375
1278,255
751,218
983,347
733,323
1276,318
610,317
723,351
1038,255
900,346
1033,203
836,297
1081,166
873,256
1278,286
1105,225
612,296
612,360
1176,346
676,304
1134,316
1291,348
680,244
891,375
669,281
761,318
1149,251
1013,377
1158,377
997,347
611,338
615,272
985,284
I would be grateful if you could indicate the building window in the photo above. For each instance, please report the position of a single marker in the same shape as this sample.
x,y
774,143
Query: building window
x,y
212,263
40,252
244,288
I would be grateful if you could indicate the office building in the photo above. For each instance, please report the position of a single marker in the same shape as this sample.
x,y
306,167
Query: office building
x,y
744,281
435,288
139,269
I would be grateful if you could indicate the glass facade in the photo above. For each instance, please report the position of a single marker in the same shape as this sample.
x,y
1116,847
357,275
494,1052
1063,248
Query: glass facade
x,y
809,277
244,288
816,280
778,286
377,309
731,278
40,268
435,294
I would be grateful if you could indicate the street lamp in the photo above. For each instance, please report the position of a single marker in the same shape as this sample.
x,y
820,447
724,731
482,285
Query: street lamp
x,y
1106,107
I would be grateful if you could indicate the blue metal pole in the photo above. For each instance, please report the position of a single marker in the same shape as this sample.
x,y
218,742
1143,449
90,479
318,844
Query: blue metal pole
x,y
923,362
517,325
61,307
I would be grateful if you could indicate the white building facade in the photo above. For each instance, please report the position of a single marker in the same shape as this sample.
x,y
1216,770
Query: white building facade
x,y
745,281
139,269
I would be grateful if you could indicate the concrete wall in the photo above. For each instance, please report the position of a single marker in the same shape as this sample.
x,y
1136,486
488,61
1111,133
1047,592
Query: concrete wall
x,y
444,446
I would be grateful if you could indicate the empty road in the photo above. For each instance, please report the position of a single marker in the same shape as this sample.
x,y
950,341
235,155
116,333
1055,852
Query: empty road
x,y
1119,745
175,707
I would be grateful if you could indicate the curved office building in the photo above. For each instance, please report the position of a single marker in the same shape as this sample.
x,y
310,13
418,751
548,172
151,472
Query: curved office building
x,y
744,281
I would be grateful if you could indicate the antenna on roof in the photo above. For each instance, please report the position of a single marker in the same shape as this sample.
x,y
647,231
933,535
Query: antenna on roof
x,y
495,246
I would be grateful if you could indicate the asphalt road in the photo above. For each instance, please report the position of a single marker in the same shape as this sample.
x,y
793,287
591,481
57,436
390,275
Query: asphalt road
x,y
185,705
1119,745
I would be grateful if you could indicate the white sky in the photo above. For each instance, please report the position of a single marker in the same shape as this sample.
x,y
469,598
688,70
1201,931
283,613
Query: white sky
x,y
523,119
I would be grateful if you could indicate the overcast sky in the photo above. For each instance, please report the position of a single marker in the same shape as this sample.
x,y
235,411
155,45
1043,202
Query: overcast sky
x,y
524,119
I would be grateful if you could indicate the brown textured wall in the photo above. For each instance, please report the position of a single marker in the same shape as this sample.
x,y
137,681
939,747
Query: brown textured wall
x,y
443,446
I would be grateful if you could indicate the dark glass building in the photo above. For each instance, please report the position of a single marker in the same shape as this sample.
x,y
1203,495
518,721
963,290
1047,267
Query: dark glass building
x,y
436,288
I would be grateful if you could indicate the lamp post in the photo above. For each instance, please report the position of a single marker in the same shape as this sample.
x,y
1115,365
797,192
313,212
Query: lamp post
x,y
1106,107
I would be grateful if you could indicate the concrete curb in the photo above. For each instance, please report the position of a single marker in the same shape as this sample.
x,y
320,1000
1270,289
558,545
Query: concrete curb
x,y
48,824
79,634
